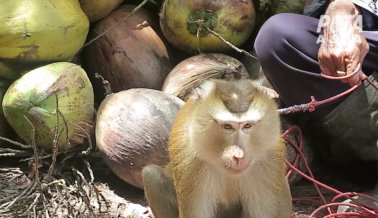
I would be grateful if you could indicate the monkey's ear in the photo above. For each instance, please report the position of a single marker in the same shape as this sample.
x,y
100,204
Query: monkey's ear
x,y
271,93
203,90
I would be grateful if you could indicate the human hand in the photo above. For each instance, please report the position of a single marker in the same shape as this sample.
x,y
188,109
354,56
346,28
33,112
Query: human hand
x,y
344,45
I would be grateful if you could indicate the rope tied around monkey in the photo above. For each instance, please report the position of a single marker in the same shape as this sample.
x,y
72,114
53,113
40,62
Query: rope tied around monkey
x,y
361,206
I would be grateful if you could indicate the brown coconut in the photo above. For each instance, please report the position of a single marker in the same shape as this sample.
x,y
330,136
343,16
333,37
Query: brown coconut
x,y
193,71
130,54
132,131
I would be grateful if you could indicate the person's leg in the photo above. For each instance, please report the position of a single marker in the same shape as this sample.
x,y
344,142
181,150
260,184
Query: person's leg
x,y
287,48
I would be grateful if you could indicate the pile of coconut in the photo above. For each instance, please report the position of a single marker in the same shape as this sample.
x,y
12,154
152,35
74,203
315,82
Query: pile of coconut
x,y
90,88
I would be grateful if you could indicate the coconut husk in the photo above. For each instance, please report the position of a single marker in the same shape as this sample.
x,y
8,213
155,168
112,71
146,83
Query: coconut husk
x,y
58,94
98,9
62,185
193,26
35,33
193,71
130,54
132,131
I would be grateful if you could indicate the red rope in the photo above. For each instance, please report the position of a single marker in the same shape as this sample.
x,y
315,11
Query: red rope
x,y
372,83
311,106
342,77
362,209
363,213
348,194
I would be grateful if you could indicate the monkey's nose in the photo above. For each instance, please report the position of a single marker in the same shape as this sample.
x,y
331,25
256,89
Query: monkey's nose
x,y
238,157
238,161
238,152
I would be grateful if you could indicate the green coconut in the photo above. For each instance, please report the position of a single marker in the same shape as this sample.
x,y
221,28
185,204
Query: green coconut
x,y
57,95
4,126
98,9
39,32
290,6
186,23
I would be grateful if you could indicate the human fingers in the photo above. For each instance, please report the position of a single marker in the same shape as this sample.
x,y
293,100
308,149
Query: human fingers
x,y
326,65
356,79
328,69
353,60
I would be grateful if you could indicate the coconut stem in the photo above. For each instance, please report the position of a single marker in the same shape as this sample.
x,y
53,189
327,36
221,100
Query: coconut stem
x,y
24,146
230,44
36,159
200,20
90,144
119,22
55,140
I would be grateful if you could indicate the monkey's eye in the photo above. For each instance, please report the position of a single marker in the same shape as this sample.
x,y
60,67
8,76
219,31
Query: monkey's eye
x,y
226,126
247,125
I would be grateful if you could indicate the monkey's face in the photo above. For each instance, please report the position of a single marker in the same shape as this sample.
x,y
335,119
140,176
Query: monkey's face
x,y
234,140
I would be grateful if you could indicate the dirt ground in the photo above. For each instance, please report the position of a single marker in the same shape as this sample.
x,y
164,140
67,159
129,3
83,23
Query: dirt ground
x,y
353,177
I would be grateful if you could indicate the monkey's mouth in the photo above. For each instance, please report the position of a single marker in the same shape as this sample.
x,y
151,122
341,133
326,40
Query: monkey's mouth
x,y
236,166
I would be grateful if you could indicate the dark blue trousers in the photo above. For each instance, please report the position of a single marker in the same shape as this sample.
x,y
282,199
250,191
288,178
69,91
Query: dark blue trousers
x,y
287,50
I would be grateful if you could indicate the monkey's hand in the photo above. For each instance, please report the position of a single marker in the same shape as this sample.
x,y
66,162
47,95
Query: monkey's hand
x,y
344,46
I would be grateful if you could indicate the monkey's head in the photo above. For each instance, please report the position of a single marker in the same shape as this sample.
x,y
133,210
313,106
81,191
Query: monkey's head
x,y
234,124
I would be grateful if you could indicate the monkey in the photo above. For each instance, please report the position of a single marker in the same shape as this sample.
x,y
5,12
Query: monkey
x,y
159,191
226,157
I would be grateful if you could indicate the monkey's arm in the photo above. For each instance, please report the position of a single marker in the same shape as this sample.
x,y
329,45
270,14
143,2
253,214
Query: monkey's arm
x,y
284,202
160,192
285,206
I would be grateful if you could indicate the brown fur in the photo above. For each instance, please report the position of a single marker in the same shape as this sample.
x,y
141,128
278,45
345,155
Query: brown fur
x,y
198,147
202,188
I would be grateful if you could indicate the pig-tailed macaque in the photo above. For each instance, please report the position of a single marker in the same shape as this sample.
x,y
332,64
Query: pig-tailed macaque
x,y
226,157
